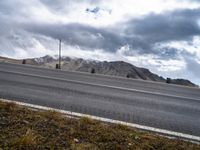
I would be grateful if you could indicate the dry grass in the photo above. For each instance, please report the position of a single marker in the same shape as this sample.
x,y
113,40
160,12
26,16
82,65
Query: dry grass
x,y
22,128
26,140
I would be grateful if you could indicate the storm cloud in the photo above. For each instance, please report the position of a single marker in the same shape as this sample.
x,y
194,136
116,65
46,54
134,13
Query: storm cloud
x,y
175,25
140,34
84,36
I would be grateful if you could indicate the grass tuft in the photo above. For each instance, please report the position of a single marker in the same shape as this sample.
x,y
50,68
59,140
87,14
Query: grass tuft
x,y
9,106
84,146
28,139
52,114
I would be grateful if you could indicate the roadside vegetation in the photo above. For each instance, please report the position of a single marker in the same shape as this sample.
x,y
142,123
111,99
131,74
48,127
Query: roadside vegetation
x,y
24,128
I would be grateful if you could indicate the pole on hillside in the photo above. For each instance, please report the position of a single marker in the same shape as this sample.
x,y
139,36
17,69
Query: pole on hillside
x,y
60,53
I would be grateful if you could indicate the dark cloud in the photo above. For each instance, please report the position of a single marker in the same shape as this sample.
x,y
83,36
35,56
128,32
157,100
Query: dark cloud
x,y
86,37
94,10
155,29
169,26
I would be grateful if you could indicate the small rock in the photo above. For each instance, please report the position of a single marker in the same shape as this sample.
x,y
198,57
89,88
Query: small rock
x,y
2,123
25,122
76,140
137,137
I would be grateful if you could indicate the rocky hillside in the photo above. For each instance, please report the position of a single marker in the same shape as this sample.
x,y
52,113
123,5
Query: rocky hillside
x,y
116,68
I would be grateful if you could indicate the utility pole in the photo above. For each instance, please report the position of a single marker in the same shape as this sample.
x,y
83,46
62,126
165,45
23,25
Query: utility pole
x,y
59,67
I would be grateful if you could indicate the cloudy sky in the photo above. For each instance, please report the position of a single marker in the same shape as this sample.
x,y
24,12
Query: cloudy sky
x,y
161,35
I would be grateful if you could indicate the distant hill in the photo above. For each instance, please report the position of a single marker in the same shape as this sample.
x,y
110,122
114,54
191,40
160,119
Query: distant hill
x,y
115,68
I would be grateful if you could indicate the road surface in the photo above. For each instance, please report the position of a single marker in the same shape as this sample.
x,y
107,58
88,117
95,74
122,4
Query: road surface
x,y
159,105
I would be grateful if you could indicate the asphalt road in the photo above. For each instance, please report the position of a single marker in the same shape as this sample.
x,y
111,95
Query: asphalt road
x,y
158,105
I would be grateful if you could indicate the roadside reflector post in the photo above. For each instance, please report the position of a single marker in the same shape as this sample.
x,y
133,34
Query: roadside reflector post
x,y
24,61
57,66
92,71
168,80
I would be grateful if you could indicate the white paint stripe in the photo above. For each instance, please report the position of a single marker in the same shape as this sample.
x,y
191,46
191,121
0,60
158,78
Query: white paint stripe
x,y
100,85
157,130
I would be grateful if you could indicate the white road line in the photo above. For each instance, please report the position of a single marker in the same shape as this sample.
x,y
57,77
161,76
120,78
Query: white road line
x,y
152,129
99,85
